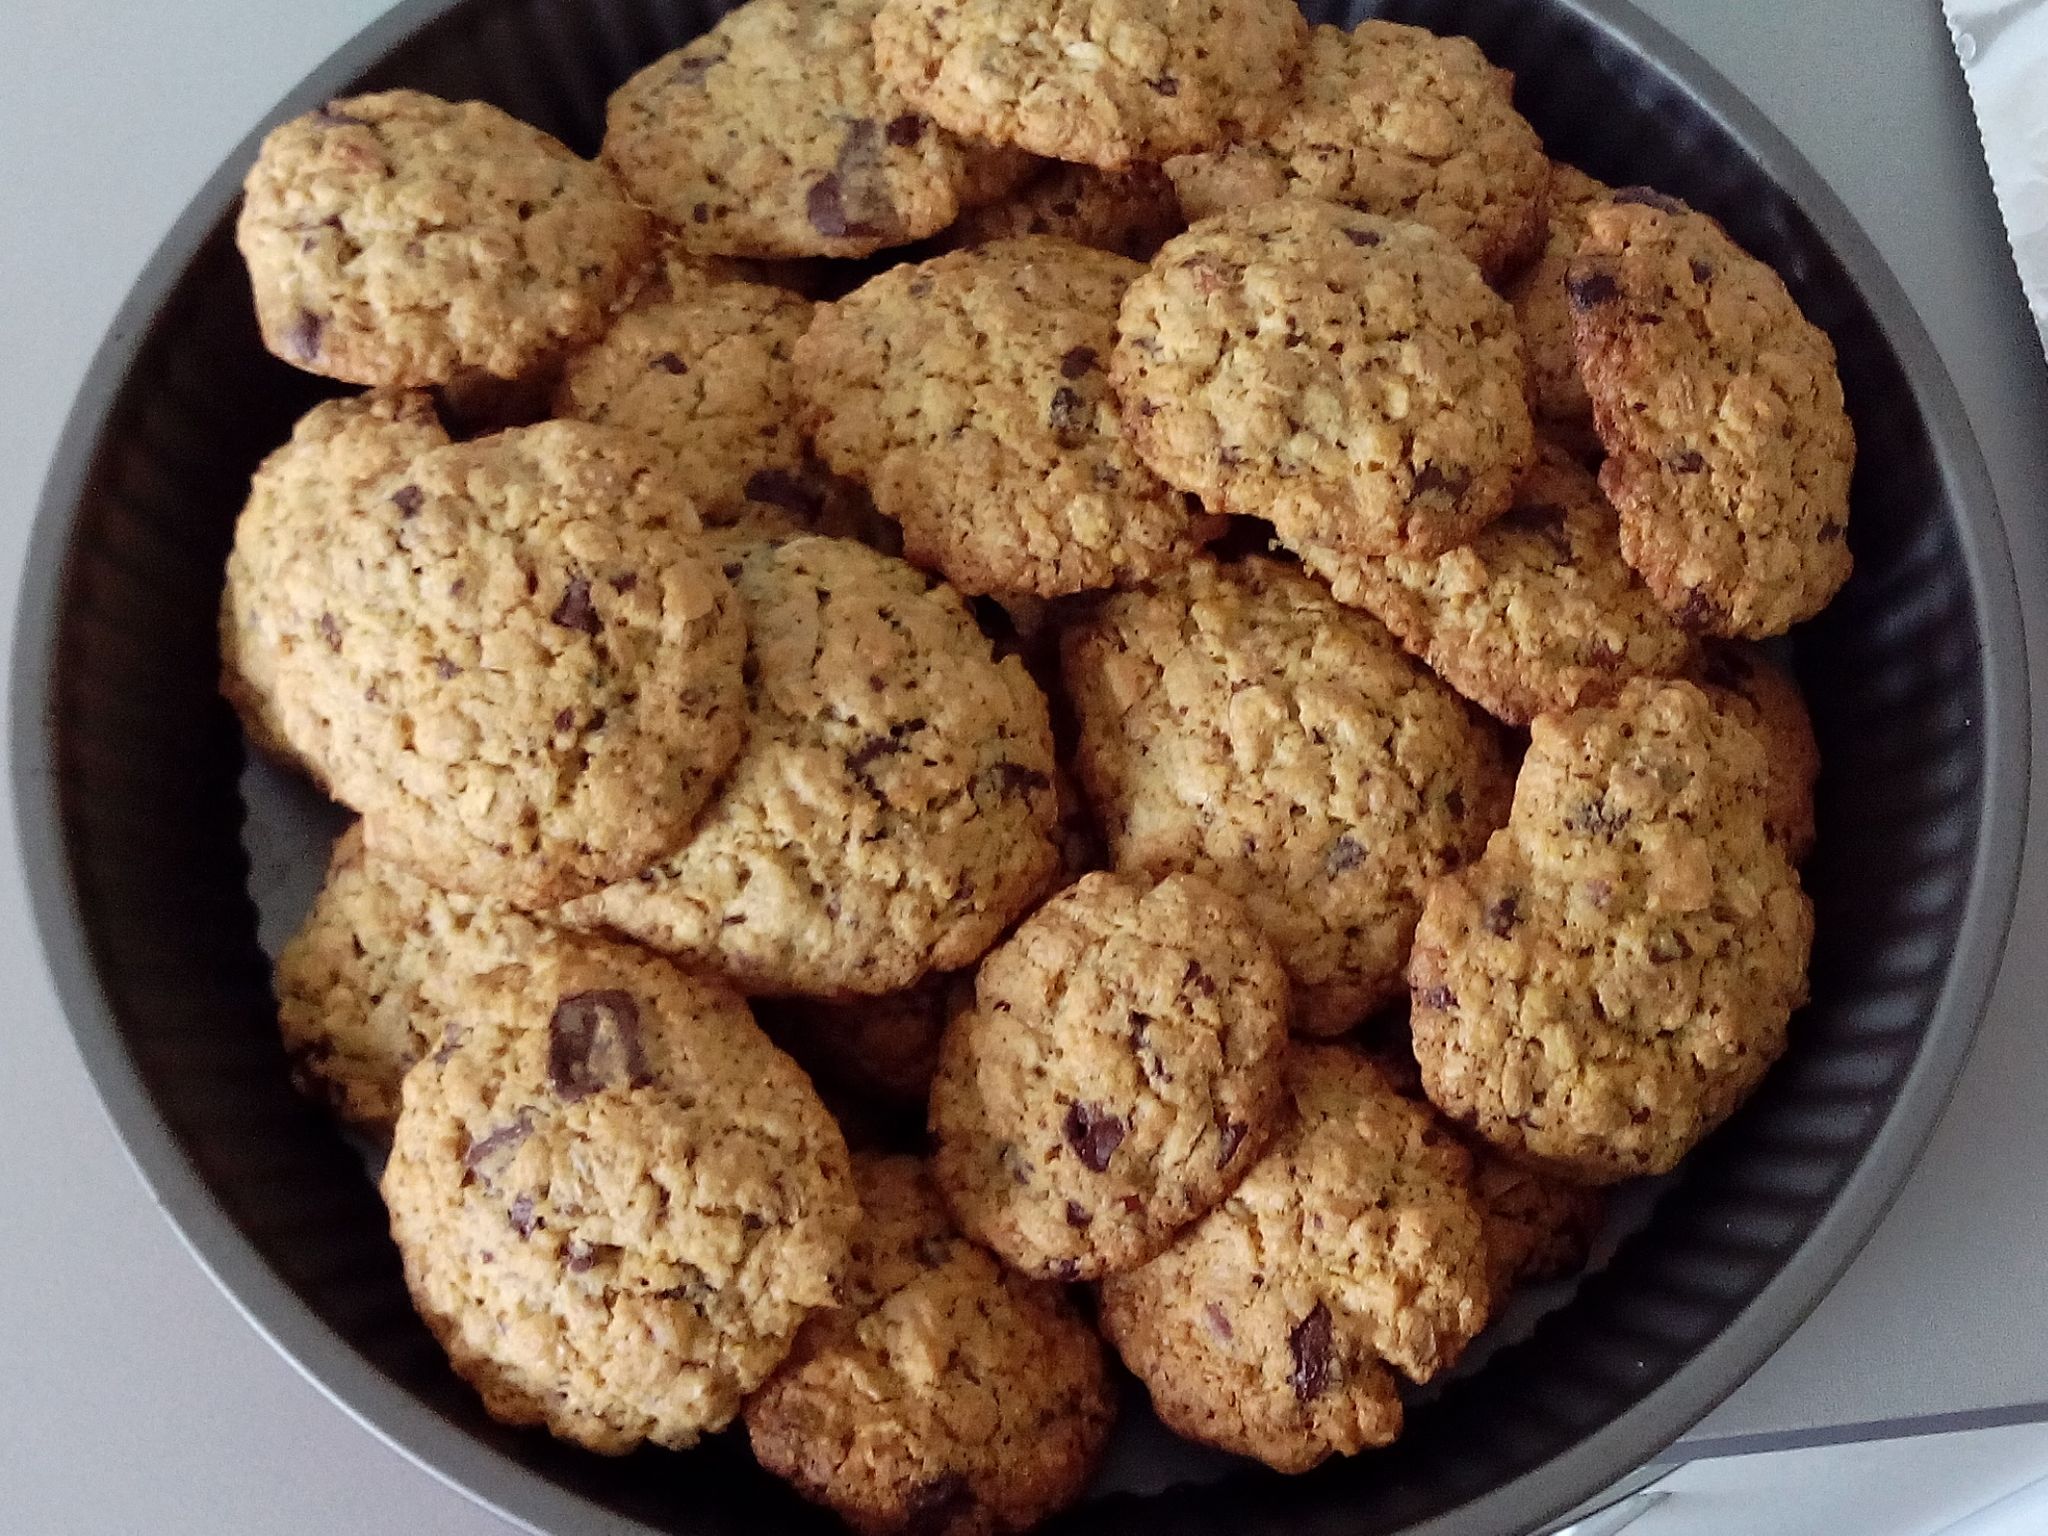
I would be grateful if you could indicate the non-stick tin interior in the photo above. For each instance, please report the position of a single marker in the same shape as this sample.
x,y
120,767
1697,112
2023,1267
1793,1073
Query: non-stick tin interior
x,y
127,769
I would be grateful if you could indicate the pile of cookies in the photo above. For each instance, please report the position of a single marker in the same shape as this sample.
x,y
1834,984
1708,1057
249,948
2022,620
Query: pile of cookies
x,y
1140,612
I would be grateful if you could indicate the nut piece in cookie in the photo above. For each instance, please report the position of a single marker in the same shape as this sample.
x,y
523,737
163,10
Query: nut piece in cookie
x,y
616,1201
363,987
945,1393
1543,310
1612,979
1394,120
1131,212
1237,723
1742,679
401,239
507,654
772,136
1537,613
1728,448
1102,83
1117,1073
1353,1249
970,394
1349,378
893,810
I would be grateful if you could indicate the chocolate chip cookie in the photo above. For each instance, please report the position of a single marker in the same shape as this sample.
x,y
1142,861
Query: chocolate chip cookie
x,y
1350,378
1742,679
1539,612
1556,392
1538,1226
893,809
1353,1249
616,1201
1118,1072
400,239
1394,120
970,394
1131,212
1237,723
772,135
363,987
1612,979
506,654
1728,448
1104,83
944,1393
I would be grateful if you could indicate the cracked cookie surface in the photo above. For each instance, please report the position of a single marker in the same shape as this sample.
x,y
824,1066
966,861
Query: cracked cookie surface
x,y
615,1200
1238,723
1350,378
945,1393
1117,1072
400,239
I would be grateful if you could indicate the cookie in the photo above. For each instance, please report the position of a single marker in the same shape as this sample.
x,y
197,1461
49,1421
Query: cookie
x,y
400,239
1613,977
1351,379
1728,448
1353,1249
505,653
1131,212
970,395
893,809
1237,723
363,985
772,136
1556,392
885,1048
1398,121
944,1394
1538,1226
1539,612
702,369
1102,84
615,1200
1118,1072
1743,680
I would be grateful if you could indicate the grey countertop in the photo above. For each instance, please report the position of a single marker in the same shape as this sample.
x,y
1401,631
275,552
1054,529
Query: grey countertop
x,y
135,1399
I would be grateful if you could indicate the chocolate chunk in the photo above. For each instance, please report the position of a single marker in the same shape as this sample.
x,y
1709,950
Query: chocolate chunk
x,y
1016,779
1070,417
904,131
1365,237
1831,532
668,362
521,1215
499,1143
1667,947
1165,85
1431,477
939,1506
1503,917
1599,892
330,631
581,1256
1454,801
851,201
693,69
1230,1136
1309,1343
1219,1324
921,286
1078,361
1064,1269
564,719
1077,1215
1688,463
407,499
303,337
624,582
826,209
445,669
1596,820
1094,1134
1342,854
594,1042
331,116
1439,998
870,751
1697,612
574,611
1701,270
1589,290
1650,197
781,488
1197,980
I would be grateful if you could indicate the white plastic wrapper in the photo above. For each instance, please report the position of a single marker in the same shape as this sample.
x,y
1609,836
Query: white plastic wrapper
x,y
2004,48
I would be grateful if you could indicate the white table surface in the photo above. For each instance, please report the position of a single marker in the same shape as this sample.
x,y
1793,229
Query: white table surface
x,y
134,1399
